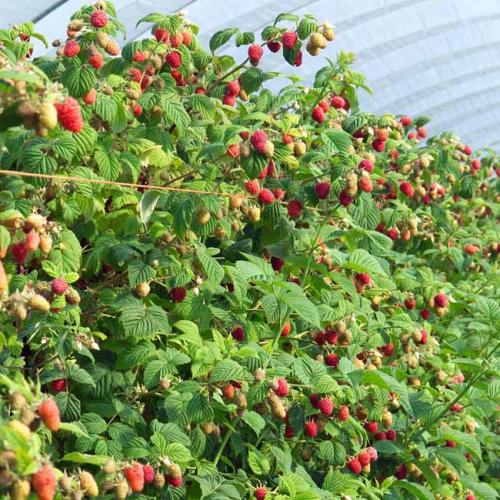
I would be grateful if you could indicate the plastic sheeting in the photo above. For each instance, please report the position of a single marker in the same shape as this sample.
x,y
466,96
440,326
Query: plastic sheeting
x,y
435,57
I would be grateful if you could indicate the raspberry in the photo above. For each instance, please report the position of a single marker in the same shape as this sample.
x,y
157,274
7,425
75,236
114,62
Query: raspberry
x,y
245,135
266,196
380,436
391,435
365,184
422,132
475,165
343,413
467,150
287,139
344,198
136,74
289,432
200,90
318,114
378,145
139,56
325,406
294,208
96,60
311,429
354,466
259,140
387,350
406,121
137,110
371,427
178,294
187,38
229,100
49,413
425,313
71,48
149,473
32,241
407,189
175,482
332,360
287,328
364,458
176,40
233,150
314,400
44,483
363,278
68,114
277,264
423,339
337,102
134,474
366,165
280,387
90,97
289,39
401,472
263,173
451,444
162,35
273,46
322,190
410,303
174,59
393,233
255,52
238,334
440,300
58,286
59,385
324,105
470,497
331,336
252,186
98,19
233,88
228,391
260,493
373,453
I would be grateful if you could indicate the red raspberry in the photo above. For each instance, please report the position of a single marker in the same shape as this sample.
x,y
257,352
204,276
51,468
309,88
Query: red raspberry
x,y
277,264
365,184
380,436
332,360
271,169
363,278
252,186
175,482
354,466
407,189
289,432
440,300
176,40
19,252
475,165
298,59
387,350
187,38
273,46
233,88
136,74
238,334
320,338
378,145
423,339
371,427
337,102
393,233
406,121
44,483
318,114
343,413
139,57
364,458
325,406
137,110
49,413
58,385
98,19
260,493
331,336
344,198
178,294
287,139
266,196
410,303
162,35
280,387
58,286
233,150
294,208
71,48
311,429
228,391
68,114
200,90
96,60
149,473
391,435
373,453
324,105
470,497
287,328
263,173
422,132
467,150
425,313
259,140
366,165
229,100
451,444
289,39
322,190
255,52
401,472
90,97
314,400
245,135
174,59
32,241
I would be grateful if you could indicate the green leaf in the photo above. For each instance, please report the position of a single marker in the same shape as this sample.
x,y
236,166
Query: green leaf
x,y
226,370
109,165
361,261
175,113
220,38
199,409
178,453
245,38
251,80
306,27
82,458
139,272
254,421
78,80
303,307
213,270
332,452
337,141
258,463
421,492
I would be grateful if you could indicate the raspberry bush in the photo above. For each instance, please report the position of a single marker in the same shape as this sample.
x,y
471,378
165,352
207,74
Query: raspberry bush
x,y
309,311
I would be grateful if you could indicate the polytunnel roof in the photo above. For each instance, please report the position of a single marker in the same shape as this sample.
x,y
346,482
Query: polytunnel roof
x,y
434,57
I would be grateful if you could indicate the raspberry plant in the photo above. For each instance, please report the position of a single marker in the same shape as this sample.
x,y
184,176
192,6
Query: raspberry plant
x,y
290,299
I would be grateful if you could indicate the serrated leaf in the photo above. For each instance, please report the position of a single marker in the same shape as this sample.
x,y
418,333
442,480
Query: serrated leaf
x,y
226,370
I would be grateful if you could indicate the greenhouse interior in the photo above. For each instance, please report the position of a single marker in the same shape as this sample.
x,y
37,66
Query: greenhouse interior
x,y
249,250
